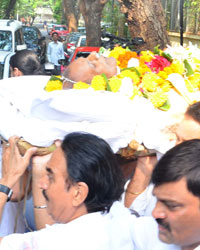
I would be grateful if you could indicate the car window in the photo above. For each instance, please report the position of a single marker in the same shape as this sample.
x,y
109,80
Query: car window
x,y
30,34
60,28
5,40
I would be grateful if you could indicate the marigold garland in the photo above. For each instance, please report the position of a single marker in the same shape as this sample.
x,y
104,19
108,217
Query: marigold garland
x,y
148,75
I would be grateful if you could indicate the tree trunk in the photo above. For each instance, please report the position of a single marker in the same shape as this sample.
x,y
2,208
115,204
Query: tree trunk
x,y
69,9
146,19
91,11
11,6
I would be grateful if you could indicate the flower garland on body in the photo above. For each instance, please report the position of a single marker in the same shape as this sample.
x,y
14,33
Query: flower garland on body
x,y
147,74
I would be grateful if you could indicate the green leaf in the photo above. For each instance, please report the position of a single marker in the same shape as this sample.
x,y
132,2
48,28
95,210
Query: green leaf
x,y
166,106
167,56
54,78
107,82
188,68
156,50
133,69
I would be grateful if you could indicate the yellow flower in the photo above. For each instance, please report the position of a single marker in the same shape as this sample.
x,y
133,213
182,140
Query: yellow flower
x,y
166,86
81,85
115,83
158,98
53,85
129,73
193,82
151,81
136,92
98,83
117,51
163,74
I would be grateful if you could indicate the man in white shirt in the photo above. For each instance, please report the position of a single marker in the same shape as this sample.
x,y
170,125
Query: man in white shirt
x,y
176,180
79,190
55,52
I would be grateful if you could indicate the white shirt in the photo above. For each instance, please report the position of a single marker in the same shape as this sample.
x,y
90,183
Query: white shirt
x,y
93,231
117,230
55,52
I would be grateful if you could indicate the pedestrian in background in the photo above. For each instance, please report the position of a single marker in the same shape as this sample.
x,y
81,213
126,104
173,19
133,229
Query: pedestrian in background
x,y
55,52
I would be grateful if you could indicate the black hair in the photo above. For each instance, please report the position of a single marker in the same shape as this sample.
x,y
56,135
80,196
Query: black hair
x,y
91,160
182,161
55,33
193,111
27,62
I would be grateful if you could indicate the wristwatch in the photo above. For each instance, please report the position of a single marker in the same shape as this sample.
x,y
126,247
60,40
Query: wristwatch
x,y
6,190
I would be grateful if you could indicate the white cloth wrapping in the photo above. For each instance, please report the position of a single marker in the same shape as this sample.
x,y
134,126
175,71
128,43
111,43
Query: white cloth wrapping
x,y
40,117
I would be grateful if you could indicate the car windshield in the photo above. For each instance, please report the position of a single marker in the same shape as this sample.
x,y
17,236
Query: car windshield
x,y
30,34
1,71
5,40
60,28
74,37
83,42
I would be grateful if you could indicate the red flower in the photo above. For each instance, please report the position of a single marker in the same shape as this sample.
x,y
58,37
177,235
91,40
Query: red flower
x,y
158,63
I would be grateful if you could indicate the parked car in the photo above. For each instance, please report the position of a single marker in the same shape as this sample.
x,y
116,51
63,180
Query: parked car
x,y
81,42
35,41
82,29
11,36
49,27
82,52
71,41
4,64
61,30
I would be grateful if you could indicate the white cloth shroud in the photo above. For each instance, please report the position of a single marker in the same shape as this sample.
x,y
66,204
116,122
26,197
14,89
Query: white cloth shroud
x,y
41,117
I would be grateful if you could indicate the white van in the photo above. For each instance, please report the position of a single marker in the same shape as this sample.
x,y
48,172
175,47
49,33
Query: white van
x,y
11,36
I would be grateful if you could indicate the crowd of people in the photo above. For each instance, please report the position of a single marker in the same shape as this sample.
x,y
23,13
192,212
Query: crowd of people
x,y
80,198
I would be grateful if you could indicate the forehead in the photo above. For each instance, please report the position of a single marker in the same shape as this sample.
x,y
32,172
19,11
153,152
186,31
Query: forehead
x,y
188,129
58,163
175,191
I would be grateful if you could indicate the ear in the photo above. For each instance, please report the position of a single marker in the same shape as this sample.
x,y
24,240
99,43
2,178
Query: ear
x,y
80,193
17,72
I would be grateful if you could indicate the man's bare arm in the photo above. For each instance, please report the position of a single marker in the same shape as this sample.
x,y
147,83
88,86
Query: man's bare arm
x,y
140,179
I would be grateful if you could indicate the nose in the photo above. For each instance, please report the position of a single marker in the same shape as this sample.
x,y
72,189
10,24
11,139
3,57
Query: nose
x,y
159,212
93,56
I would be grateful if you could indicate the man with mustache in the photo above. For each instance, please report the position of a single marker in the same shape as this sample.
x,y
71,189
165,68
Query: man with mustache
x,y
81,189
176,180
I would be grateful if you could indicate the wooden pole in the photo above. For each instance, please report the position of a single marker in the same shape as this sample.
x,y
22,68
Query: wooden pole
x,y
181,21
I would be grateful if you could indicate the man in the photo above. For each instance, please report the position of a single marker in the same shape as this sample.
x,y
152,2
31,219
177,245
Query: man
x,y
143,202
81,187
84,69
176,180
55,52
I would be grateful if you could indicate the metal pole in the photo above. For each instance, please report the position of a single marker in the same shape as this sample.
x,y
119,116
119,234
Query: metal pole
x,y
181,21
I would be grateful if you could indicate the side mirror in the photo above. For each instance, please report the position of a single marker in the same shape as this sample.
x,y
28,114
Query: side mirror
x,y
21,47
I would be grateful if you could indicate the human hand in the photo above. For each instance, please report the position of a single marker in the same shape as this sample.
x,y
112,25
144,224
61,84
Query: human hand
x,y
13,164
146,164
39,164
